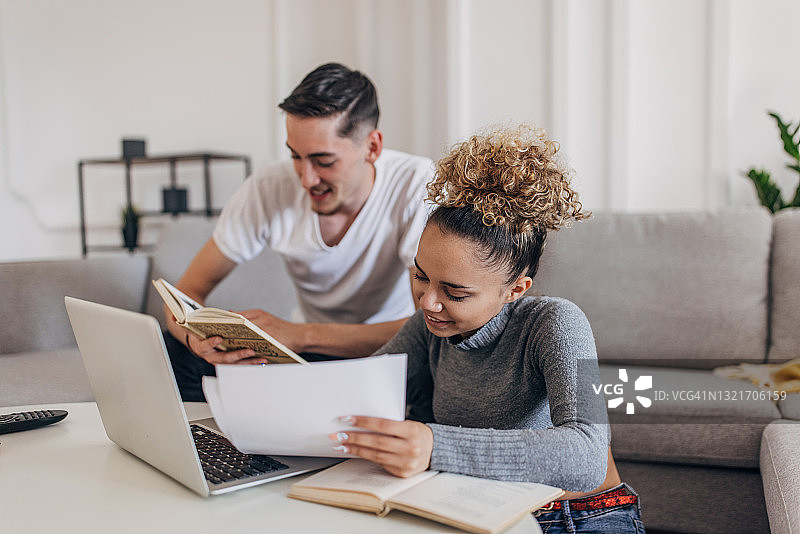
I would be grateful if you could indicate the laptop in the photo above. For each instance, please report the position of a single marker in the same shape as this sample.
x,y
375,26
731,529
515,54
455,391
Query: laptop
x,y
142,412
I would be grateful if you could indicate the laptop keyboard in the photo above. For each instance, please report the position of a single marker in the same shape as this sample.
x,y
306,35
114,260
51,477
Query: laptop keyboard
x,y
222,462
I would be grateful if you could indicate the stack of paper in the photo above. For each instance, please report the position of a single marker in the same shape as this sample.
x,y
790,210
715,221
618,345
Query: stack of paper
x,y
291,409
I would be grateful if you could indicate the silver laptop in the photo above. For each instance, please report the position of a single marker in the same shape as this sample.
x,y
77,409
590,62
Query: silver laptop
x,y
136,394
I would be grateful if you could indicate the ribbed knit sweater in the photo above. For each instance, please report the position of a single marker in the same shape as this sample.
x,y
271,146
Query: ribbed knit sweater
x,y
514,400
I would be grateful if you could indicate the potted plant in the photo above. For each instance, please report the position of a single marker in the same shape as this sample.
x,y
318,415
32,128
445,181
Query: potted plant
x,y
130,226
769,194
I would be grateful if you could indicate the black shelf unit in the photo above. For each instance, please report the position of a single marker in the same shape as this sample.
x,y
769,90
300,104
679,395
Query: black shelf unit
x,y
172,160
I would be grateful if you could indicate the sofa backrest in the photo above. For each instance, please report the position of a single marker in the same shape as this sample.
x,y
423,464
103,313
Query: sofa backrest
x,y
32,311
674,289
785,285
260,283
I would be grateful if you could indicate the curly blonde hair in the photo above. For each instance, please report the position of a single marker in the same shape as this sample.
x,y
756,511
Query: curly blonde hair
x,y
513,177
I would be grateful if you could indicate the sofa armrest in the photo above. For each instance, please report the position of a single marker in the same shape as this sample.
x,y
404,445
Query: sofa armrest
x,y
780,475
790,407
32,309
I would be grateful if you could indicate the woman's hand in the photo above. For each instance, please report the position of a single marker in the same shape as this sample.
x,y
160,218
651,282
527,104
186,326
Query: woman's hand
x,y
403,448
206,349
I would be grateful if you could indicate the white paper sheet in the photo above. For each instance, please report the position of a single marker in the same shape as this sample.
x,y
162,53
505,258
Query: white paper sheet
x,y
291,409
211,391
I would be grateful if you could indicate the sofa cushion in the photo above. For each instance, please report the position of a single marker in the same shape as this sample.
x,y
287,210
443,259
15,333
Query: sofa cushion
x,y
780,475
785,312
671,289
260,283
32,308
43,377
684,498
694,417
712,444
790,406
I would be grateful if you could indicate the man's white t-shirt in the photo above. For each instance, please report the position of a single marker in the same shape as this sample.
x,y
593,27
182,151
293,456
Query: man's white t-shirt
x,y
362,279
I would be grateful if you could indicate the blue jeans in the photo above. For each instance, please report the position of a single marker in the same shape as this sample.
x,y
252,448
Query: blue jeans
x,y
615,520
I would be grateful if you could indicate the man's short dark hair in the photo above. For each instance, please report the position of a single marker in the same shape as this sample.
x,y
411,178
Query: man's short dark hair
x,y
331,89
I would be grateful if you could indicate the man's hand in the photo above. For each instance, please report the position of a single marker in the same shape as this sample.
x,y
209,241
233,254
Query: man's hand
x,y
403,448
206,349
290,334
284,331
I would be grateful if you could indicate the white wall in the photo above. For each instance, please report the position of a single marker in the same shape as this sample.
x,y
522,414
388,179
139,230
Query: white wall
x,y
764,74
79,75
659,104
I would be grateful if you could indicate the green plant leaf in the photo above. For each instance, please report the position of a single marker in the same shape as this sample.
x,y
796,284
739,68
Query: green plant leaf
x,y
795,203
790,146
130,213
768,193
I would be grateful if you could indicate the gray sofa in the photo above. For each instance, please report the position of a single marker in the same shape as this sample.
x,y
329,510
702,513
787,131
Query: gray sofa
x,y
672,296
39,359
669,296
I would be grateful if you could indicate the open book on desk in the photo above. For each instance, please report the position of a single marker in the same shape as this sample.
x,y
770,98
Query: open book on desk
x,y
237,331
473,504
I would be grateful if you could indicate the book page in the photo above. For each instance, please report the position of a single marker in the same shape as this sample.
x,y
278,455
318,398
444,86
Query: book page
x,y
178,303
291,409
358,475
484,504
181,296
215,314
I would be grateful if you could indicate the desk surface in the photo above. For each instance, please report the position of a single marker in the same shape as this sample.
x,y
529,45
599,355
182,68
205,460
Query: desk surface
x,y
69,477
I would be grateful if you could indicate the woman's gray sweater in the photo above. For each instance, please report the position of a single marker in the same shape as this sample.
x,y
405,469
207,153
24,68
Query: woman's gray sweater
x,y
514,401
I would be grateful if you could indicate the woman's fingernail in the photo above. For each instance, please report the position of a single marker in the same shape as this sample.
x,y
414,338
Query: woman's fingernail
x,y
342,449
340,436
349,419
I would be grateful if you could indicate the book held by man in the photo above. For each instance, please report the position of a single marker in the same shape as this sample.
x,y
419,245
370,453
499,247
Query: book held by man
x,y
237,331
478,505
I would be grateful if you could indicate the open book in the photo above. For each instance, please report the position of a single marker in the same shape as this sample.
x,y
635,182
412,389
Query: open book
x,y
473,504
237,332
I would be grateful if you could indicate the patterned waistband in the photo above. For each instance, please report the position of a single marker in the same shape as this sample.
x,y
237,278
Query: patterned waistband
x,y
607,499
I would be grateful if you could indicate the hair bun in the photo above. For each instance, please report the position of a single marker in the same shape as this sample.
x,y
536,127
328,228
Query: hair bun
x,y
513,177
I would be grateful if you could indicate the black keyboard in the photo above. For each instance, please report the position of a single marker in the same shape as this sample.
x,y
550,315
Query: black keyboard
x,y
222,462
14,422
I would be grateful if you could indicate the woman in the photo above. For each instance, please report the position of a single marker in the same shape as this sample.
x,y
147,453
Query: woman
x,y
499,384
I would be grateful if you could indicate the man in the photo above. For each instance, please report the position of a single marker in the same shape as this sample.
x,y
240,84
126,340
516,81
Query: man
x,y
346,216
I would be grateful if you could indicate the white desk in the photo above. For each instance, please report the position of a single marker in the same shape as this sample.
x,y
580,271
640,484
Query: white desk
x,y
69,477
